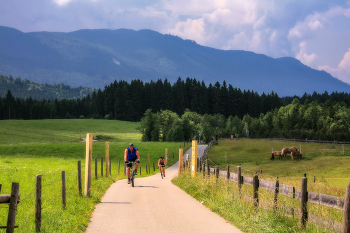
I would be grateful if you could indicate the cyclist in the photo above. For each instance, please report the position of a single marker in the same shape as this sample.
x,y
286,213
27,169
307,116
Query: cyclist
x,y
131,154
161,165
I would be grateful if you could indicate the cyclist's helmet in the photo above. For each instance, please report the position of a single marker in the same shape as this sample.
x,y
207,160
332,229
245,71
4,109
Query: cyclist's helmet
x,y
130,144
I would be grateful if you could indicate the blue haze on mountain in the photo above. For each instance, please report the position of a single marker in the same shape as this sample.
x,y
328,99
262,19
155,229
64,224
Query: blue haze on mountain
x,y
95,58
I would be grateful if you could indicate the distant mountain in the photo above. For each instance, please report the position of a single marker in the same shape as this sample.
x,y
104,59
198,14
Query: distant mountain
x,y
24,89
95,58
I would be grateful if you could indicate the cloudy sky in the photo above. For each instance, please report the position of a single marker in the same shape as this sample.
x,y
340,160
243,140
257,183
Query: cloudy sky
x,y
317,32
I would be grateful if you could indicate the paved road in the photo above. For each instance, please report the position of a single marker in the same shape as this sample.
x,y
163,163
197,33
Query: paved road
x,y
154,205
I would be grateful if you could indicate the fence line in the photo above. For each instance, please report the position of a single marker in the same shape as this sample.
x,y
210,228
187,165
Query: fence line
x,y
292,192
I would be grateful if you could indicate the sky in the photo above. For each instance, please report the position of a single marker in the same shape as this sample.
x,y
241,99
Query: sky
x,y
316,32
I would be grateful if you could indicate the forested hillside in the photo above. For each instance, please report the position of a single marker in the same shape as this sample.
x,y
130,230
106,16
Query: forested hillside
x,y
26,88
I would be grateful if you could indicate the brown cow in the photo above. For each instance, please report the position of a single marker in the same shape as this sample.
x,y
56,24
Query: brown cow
x,y
288,150
296,154
276,153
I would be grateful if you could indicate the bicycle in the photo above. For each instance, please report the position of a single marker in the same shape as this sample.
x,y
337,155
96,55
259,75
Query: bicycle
x,y
132,171
161,170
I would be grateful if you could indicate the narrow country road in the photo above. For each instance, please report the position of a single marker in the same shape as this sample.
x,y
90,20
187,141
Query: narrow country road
x,y
154,205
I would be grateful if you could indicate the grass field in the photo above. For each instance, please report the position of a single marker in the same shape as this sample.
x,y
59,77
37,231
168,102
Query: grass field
x,y
48,147
328,163
325,162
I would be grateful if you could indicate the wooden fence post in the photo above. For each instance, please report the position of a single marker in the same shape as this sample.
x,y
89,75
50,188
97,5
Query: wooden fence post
x,y
79,178
102,166
149,165
12,208
118,166
124,169
88,161
96,168
208,169
346,215
256,191
239,178
146,169
38,203
63,189
203,168
180,162
140,170
228,173
0,187
304,199
217,175
110,166
107,160
154,168
277,189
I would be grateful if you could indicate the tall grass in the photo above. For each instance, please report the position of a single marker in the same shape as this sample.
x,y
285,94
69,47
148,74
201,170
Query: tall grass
x,y
223,198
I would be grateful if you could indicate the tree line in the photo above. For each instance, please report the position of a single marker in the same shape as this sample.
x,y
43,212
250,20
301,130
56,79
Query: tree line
x,y
313,121
219,109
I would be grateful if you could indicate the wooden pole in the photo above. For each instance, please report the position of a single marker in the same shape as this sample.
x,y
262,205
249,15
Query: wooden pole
x,y
149,165
107,159
228,173
0,187
88,160
79,178
203,168
118,166
239,178
208,169
277,189
256,190
63,189
304,199
38,203
146,169
154,168
110,166
96,168
217,175
180,161
346,215
102,166
13,208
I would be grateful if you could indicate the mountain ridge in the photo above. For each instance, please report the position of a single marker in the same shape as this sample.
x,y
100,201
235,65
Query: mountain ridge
x,y
96,57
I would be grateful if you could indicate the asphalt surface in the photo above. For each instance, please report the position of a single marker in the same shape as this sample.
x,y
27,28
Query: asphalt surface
x,y
154,205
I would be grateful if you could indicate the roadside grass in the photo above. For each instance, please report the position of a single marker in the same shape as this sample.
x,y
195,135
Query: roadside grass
x,y
223,198
323,162
28,149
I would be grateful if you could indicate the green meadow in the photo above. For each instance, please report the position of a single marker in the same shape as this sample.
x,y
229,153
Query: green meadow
x,y
326,167
48,147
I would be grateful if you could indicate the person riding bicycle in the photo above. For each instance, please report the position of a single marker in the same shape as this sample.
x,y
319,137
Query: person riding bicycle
x,y
131,154
161,165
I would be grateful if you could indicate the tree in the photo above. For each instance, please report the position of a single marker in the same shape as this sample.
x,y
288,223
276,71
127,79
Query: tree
x,y
149,127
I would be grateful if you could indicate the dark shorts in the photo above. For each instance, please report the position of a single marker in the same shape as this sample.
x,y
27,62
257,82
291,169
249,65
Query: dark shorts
x,y
161,164
130,160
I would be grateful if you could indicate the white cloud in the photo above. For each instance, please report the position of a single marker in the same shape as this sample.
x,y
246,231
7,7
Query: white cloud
x,y
341,72
61,2
303,56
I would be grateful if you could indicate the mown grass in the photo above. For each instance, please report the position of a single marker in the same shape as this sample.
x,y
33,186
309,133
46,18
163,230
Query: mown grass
x,y
223,198
48,147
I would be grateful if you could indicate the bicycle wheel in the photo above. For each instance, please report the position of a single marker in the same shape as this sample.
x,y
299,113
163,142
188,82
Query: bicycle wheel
x,y
132,178
161,172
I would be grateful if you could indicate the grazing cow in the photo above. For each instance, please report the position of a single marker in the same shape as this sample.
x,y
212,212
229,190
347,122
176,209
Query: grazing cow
x,y
276,153
296,154
288,150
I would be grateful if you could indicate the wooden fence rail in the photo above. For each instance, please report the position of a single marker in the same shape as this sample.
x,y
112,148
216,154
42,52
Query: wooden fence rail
x,y
303,195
